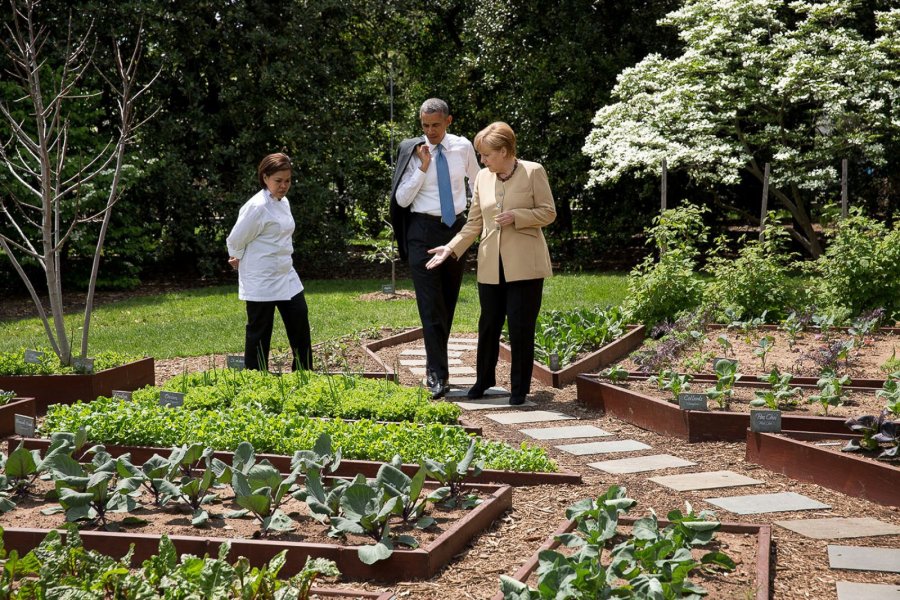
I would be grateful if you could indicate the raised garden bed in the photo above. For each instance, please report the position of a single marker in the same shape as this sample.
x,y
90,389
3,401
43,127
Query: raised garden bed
x,y
795,454
65,389
762,533
402,565
348,468
667,418
608,354
372,348
8,412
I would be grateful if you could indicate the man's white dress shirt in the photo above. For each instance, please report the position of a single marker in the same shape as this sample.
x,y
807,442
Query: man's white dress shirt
x,y
421,189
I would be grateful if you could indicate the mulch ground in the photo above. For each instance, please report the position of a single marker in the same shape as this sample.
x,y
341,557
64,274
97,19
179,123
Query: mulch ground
x,y
800,565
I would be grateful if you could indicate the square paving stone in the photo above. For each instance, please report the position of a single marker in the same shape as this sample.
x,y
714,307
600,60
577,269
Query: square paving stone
x,y
489,403
862,558
531,416
453,370
494,391
421,352
755,504
836,528
420,362
462,347
463,341
565,433
847,590
603,447
708,480
640,464
460,380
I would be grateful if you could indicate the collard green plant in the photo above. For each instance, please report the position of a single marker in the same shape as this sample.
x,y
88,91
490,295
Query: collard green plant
x,y
413,503
674,382
64,568
724,343
650,563
793,325
890,392
615,373
831,389
452,476
154,477
261,491
726,376
763,347
324,502
366,510
780,395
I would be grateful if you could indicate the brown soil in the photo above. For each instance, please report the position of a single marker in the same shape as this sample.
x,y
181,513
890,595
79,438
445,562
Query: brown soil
x,y
397,295
800,565
175,519
855,403
805,359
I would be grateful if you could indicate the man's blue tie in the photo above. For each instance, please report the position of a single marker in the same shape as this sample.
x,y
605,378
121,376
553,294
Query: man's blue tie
x,y
448,212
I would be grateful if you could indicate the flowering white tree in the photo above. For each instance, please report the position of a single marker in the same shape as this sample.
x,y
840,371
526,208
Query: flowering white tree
x,y
791,83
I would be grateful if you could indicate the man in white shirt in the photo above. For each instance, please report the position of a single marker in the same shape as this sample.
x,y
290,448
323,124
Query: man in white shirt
x,y
428,205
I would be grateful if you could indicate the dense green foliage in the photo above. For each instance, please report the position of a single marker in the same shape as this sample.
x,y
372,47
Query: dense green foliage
x,y
305,393
13,363
113,421
60,568
652,562
571,332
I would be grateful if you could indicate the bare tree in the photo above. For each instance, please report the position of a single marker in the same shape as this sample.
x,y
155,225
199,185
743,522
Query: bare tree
x,y
36,154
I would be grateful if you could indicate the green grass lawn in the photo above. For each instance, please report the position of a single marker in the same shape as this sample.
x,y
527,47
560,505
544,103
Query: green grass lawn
x,y
211,320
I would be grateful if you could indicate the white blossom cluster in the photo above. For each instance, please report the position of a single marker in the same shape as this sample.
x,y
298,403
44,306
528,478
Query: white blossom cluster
x,y
790,83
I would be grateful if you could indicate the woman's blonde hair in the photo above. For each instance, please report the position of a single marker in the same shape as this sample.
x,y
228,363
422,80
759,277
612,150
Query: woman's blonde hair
x,y
496,136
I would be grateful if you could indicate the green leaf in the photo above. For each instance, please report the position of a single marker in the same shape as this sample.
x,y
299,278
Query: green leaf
x,y
370,555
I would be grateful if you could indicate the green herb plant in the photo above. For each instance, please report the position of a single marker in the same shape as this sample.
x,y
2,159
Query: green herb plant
x,y
780,395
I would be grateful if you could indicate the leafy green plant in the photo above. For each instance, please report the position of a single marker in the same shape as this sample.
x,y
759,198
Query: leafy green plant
x,y
408,489
571,332
763,347
59,568
780,395
6,396
198,475
153,477
13,363
892,364
261,490
650,563
793,325
674,382
86,491
615,373
890,391
453,474
831,389
724,343
726,376
366,510
889,434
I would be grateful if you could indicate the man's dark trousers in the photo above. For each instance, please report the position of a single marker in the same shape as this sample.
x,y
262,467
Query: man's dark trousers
x,y
437,290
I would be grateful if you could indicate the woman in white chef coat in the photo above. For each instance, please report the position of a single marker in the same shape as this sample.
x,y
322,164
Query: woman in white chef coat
x,y
260,248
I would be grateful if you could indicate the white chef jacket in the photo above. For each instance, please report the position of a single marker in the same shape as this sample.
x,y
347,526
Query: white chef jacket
x,y
261,239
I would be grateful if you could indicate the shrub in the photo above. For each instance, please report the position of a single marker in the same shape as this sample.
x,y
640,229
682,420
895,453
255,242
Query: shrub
x,y
860,269
756,281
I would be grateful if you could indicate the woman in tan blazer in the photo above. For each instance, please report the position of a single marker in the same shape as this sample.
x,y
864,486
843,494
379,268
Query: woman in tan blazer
x,y
511,202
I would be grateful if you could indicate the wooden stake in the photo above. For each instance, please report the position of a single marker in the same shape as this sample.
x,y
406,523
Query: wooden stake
x,y
765,204
844,199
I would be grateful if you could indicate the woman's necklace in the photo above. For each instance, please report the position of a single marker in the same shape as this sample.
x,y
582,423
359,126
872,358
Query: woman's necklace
x,y
505,178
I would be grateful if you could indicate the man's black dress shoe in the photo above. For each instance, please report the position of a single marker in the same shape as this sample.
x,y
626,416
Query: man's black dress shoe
x,y
475,392
516,400
439,388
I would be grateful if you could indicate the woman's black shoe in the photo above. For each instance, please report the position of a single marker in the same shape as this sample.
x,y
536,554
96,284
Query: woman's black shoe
x,y
516,400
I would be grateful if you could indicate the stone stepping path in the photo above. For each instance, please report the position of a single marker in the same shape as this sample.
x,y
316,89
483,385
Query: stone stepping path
x,y
494,391
847,590
861,558
836,528
604,447
453,371
756,504
641,464
461,347
534,416
489,403
571,432
463,341
460,380
421,352
708,480
421,362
